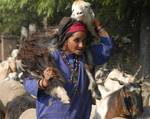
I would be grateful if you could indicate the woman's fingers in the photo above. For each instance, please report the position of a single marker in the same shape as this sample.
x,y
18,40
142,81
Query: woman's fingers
x,y
50,72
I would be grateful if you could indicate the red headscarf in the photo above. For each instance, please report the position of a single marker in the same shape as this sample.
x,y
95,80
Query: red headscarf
x,y
68,27
77,26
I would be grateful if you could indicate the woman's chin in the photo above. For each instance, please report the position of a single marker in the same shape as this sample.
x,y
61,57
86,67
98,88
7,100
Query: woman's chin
x,y
79,52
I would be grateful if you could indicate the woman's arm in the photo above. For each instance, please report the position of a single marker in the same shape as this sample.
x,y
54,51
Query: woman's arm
x,y
33,86
102,51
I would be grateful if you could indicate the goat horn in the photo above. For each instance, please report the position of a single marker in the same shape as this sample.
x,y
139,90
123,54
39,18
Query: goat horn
x,y
137,72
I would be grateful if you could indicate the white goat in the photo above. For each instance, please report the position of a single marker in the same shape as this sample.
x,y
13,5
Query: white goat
x,y
9,67
116,76
32,28
82,11
9,89
112,82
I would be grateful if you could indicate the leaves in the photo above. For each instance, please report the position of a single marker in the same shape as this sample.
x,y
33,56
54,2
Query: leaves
x,y
31,10
27,10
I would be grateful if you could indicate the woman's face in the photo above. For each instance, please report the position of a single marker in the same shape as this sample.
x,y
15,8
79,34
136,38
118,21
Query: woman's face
x,y
76,43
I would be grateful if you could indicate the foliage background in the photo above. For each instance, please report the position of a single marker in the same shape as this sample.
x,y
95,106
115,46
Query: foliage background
x,y
122,19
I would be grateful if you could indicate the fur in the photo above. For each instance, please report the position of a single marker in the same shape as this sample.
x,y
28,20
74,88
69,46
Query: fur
x,y
82,11
35,56
96,94
113,81
146,93
10,89
9,68
18,105
2,114
114,105
2,110
28,114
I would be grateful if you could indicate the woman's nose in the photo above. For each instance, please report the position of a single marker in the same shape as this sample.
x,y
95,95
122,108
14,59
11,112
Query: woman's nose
x,y
81,45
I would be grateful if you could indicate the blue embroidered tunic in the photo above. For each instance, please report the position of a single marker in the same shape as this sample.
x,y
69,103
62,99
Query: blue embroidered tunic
x,y
48,107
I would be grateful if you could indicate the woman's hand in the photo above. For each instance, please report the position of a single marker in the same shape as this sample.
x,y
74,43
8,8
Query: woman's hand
x,y
99,27
97,23
48,74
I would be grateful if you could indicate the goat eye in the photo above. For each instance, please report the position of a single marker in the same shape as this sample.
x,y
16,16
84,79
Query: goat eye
x,y
124,75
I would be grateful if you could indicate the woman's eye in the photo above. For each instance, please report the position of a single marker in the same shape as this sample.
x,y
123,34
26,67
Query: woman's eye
x,y
77,40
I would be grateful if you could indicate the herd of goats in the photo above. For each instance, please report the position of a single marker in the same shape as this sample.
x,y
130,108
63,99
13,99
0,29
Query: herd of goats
x,y
122,95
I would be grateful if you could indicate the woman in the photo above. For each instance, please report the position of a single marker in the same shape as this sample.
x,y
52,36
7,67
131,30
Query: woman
x,y
70,60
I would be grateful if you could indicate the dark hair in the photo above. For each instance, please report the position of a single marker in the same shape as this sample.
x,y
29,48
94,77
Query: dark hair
x,y
65,23
62,36
63,39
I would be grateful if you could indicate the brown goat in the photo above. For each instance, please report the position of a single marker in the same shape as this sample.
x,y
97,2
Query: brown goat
x,y
125,102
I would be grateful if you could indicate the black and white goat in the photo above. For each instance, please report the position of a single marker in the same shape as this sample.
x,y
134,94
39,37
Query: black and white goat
x,y
35,57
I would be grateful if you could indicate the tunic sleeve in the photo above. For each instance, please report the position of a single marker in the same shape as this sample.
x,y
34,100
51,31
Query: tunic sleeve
x,y
31,85
102,51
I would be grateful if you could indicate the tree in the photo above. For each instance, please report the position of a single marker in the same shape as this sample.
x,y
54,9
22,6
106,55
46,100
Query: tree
x,y
128,18
137,17
145,41
14,12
